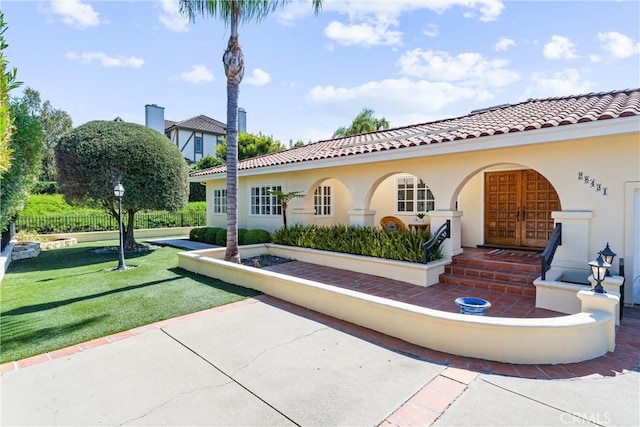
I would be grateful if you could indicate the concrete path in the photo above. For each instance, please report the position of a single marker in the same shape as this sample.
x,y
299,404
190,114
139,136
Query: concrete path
x,y
258,362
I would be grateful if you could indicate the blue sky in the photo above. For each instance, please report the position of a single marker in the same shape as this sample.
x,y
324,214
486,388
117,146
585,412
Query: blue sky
x,y
410,60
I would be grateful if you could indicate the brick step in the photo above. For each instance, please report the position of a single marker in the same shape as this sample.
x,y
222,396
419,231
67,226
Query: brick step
x,y
531,265
515,275
516,288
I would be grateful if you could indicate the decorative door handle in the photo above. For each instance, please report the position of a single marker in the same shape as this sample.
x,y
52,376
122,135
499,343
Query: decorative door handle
x,y
518,213
524,209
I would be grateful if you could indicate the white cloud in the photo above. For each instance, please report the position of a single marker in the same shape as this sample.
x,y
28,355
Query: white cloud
x,y
197,74
371,22
171,18
504,43
432,30
400,96
357,10
258,77
595,58
471,68
363,34
76,13
618,45
563,83
559,48
106,60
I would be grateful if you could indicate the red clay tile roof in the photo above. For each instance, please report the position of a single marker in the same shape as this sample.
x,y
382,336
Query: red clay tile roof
x,y
200,123
525,116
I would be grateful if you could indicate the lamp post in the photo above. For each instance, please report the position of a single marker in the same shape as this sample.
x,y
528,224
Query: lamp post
x,y
118,190
608,255
599,269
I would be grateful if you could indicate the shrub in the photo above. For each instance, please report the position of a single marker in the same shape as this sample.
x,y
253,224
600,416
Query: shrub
x,y
210,235
218,236
242,232
45,187
253,237
404,245
197,234
221,237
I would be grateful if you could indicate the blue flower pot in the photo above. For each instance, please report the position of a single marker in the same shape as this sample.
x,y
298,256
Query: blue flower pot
x,y
473,306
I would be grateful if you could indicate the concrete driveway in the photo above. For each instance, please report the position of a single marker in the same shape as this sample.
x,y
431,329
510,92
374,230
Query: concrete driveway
x,y
259,363
252,365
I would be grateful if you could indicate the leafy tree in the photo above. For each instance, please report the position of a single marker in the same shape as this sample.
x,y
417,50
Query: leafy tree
x,y
284,199
252,146
91,157
364,122
233,12
54,123
299,143
7,83
26,145
207,162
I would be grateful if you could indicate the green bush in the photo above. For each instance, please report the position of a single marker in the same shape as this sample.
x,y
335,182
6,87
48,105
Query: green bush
x,y
221,237
197,234
255,236
210,235
242,232
45,187
218,236
404,245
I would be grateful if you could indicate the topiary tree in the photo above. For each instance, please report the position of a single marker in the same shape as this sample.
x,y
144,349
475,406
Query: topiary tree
x,y
91,157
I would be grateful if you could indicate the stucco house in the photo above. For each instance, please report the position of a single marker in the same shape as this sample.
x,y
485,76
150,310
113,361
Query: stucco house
x,y
503,176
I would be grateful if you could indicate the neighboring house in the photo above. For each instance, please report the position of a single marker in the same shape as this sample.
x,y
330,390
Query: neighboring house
x,y
197,136
504,176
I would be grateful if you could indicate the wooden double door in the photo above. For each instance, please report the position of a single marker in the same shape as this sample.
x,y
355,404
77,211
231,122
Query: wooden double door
x,y
518,206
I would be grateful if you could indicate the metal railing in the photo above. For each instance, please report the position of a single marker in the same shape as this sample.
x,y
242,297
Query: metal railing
x,y
433,245
48,224
550,250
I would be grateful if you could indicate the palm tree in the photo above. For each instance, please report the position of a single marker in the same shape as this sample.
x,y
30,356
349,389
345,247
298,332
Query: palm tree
x,y
284,199
364,122
233,12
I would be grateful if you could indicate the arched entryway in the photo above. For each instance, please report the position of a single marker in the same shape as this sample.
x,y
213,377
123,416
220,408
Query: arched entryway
x,y
517,208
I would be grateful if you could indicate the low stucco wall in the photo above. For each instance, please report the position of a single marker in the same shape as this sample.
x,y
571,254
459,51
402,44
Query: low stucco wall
x,y
410,272
565,339
96,236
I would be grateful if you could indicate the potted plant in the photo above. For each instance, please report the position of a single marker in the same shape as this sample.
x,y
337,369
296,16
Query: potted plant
x,y
420,216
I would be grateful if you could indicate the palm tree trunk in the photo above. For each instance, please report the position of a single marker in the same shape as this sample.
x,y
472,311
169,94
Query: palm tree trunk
x,y
234,69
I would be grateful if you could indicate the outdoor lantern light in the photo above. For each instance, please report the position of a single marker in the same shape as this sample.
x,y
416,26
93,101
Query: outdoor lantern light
x,y
599,269
608,255
118,190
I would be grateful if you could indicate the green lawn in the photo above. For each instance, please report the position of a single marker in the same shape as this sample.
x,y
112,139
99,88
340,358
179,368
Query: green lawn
x,y
67,296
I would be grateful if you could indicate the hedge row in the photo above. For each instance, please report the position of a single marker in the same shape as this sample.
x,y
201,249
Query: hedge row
x,y
402,245
218,236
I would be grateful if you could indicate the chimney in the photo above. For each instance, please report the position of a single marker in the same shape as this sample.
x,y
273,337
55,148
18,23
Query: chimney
x,y
154,117
242,120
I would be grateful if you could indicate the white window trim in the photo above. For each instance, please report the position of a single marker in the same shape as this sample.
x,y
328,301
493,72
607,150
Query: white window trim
x,y
322,205
416,180
276,205
214,201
